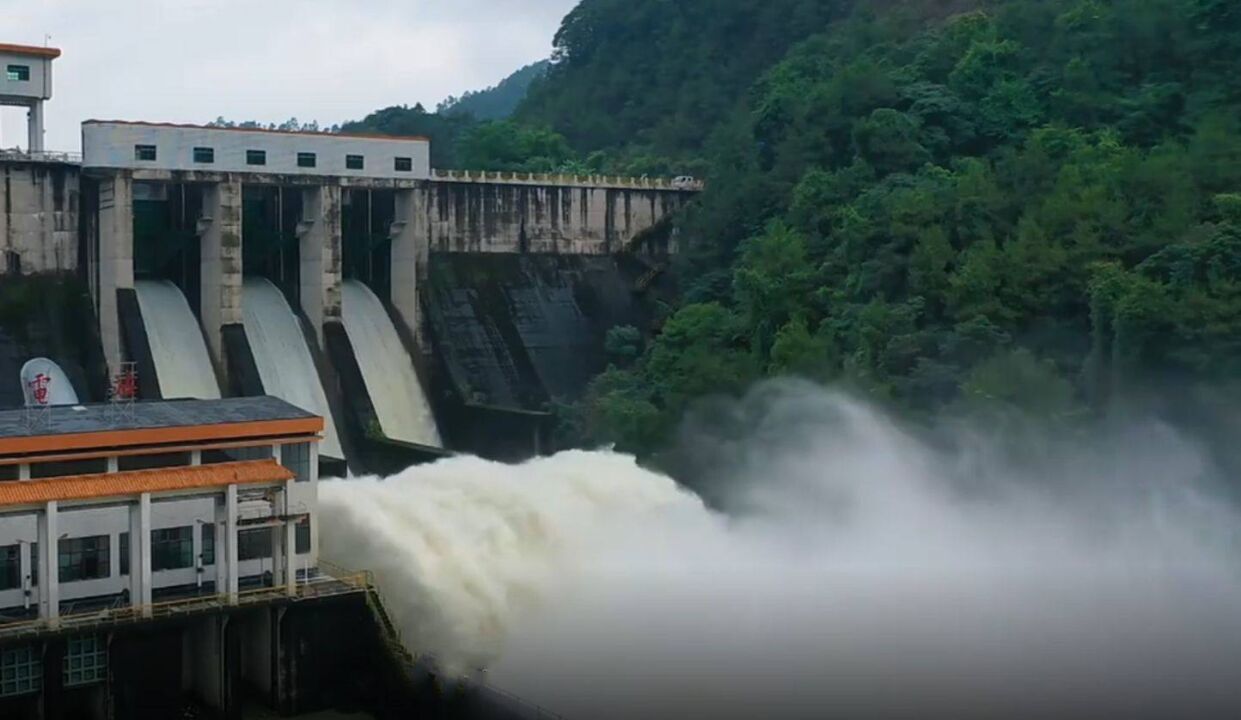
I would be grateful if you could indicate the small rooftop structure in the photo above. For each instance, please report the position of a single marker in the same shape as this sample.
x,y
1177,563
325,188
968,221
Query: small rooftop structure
x,y
26,81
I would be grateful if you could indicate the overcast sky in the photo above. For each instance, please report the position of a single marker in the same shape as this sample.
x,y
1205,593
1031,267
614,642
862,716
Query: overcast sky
x,y
267,60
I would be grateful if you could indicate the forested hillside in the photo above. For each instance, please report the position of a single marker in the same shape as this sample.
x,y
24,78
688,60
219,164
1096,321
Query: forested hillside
x,y
943,203
498,102
1032,203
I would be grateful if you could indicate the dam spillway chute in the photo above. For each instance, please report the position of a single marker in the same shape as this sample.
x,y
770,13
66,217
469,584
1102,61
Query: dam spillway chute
x,y
391,381
44,383
282,356
178,350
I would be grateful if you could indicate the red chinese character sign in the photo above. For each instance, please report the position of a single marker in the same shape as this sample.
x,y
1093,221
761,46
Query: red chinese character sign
x,y
39,390
125,384
44,384
122,394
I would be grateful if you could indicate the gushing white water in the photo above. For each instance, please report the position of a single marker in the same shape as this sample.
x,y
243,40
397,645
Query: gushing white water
x,y
861,573
402,407
283,358
178,349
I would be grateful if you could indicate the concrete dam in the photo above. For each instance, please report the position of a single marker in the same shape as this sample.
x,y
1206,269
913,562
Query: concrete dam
x,y
419,311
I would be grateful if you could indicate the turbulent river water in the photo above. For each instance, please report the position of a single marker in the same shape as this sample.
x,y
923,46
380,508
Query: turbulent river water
x,y
853,570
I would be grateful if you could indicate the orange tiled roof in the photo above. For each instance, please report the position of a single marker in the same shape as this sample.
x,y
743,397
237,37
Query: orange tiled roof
x,y
85,487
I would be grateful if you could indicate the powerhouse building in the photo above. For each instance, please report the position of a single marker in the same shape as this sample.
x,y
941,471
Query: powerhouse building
x,y
181,499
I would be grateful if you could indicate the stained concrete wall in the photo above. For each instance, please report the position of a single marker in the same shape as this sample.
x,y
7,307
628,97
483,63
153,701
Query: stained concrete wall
x,y
221,264
39,216
320,251
463,217
116,258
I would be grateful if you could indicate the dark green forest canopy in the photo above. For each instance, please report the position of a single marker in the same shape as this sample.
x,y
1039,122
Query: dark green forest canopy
x,y
495,103
1030,204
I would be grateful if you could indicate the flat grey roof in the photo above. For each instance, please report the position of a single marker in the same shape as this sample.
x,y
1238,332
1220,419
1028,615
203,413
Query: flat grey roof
x,y
145,415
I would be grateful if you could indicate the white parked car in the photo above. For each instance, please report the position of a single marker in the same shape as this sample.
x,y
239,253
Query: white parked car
x,y
684,182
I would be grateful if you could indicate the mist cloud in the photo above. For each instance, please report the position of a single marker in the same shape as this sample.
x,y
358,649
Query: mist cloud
x,y
855,570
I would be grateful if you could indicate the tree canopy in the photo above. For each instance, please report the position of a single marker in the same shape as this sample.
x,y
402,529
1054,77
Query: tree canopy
x,y
1032,203
945,204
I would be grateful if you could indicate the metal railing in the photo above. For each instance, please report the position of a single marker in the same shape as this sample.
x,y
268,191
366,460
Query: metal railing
x,y
571,179
58,156
316,587
409,660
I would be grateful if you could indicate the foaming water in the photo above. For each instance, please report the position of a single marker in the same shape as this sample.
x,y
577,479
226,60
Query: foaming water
x,y
858,572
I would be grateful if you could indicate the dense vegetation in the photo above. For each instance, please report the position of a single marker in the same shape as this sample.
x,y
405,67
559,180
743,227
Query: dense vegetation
x,y
947,203
498,102
1031,203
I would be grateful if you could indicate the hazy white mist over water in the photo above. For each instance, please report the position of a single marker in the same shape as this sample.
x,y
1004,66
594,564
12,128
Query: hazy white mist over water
x,y
859,572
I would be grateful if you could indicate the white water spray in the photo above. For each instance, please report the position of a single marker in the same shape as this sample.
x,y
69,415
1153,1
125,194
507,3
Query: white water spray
x,y
391,382
866,574
178,349
283,358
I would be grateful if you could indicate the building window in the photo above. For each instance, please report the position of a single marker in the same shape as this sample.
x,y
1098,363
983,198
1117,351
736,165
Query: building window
x,y
21,671
204,155
34,564
10,567
257,452
19,73
302,537
9,472
151,462
307,160
254,544
86,660
404,164
68,468
84,559
256,157
208,544
354,162
123,549
172,548
296,457
144,152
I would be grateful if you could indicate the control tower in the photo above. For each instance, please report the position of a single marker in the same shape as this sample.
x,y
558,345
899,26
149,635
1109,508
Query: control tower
x,y
26,80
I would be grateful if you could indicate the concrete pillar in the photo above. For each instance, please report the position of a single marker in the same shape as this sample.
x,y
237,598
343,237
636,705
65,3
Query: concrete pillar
x,y
34,122
114,464
49,567
221,264
290,542
231,564
221,549
319,245
23,471
27,564
409,250
196,457
116,259
140,553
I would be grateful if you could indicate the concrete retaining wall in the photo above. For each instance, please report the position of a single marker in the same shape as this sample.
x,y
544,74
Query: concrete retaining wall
x,y
38,216
498,217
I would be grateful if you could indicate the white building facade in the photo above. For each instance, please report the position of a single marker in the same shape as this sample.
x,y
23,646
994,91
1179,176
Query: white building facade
x,y
140,146
190,499
26,80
